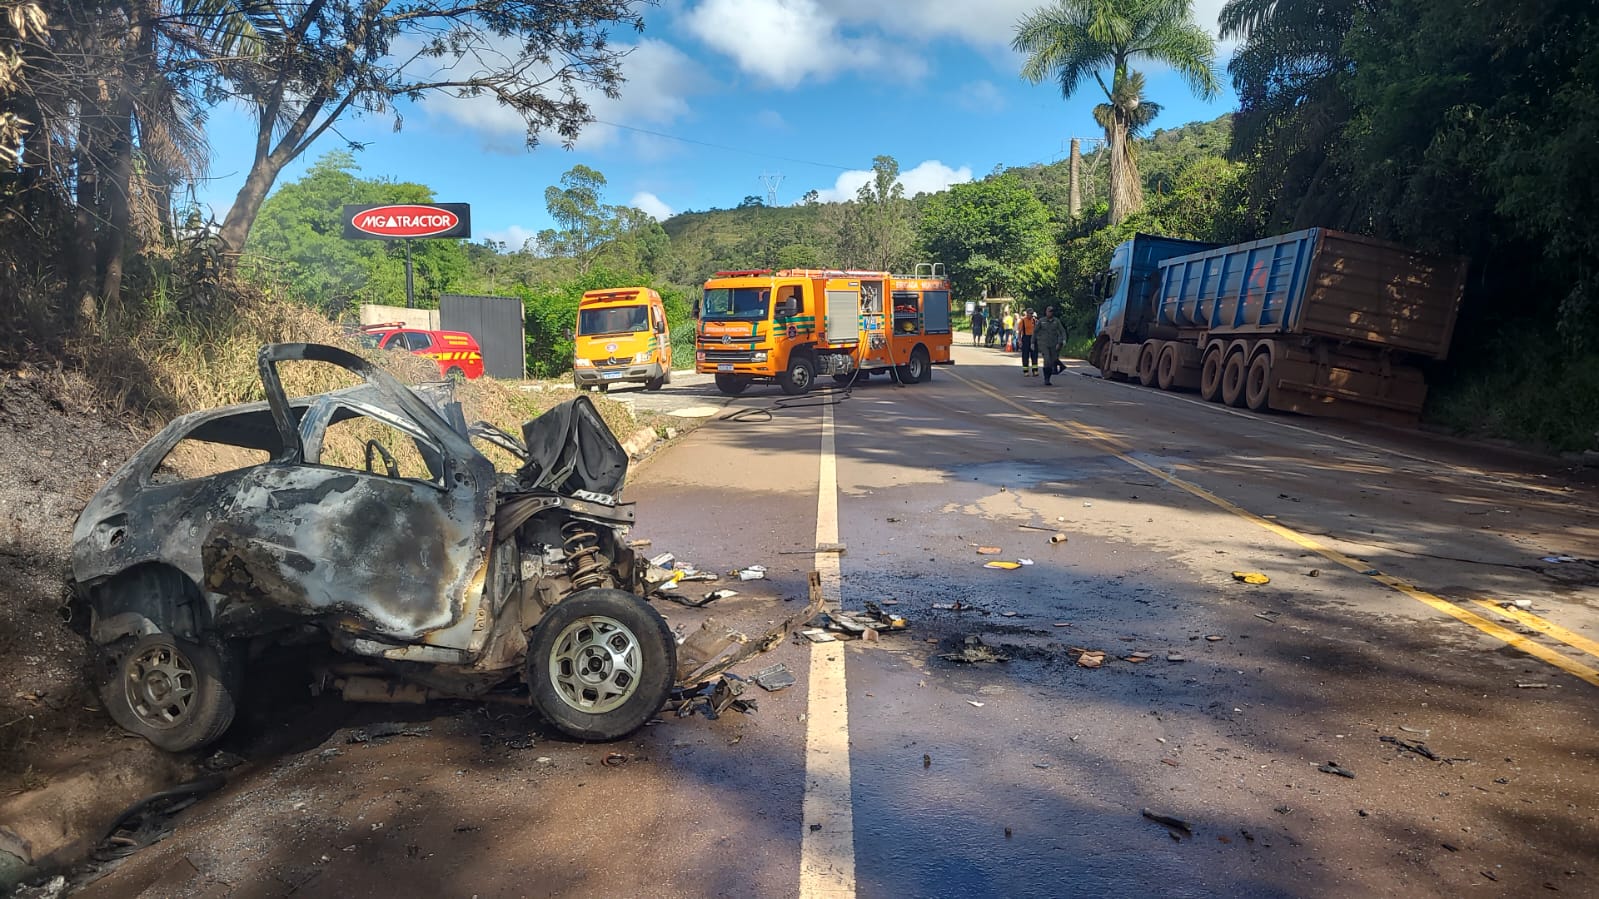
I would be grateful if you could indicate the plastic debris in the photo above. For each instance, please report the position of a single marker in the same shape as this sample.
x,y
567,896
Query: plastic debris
x,y
664,560
989,550
1002,565
1024,561
1335,768
752,573
1560,559
974,703
817,635
714,595
773,678
1251,577
1215,638
884,621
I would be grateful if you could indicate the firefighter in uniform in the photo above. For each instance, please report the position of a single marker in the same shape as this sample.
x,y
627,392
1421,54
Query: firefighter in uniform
x,y
1026,329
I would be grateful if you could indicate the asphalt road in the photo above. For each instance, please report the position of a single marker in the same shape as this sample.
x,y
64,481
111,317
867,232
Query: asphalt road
x,y
892,770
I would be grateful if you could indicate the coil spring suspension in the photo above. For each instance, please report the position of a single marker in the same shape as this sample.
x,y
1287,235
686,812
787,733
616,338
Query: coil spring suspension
x,y
582,548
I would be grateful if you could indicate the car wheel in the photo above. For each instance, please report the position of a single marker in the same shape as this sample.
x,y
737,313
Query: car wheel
x,y
800,376
176,694
732,385
601,664
455,375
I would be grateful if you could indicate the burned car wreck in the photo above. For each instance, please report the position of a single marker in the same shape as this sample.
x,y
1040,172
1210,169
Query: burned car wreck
x,y
430,573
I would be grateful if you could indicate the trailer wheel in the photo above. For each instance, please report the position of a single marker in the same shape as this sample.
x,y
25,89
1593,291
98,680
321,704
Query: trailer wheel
x,y
1257,387
1210,376
1146,363
1166,368
1233,377
800,376
731,385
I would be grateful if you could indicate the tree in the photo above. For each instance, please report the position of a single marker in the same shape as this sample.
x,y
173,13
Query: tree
x,y
1076,39
299,238
986,232
326,58
629,238
751,201
882,219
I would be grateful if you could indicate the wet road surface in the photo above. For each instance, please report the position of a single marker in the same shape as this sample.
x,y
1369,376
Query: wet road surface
x,y
1217,702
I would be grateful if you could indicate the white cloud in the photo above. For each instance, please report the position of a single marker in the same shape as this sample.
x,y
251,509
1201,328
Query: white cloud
x,y
929,177
514,237
786,42
991,22
651,204
661,80
979,96
771,120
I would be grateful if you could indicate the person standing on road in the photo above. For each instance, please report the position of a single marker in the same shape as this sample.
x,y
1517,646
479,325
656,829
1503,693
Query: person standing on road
x,y
1007,332
978,321
1051,335
1026,325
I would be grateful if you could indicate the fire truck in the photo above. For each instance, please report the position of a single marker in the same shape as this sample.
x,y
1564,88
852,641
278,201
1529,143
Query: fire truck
x,y
795,325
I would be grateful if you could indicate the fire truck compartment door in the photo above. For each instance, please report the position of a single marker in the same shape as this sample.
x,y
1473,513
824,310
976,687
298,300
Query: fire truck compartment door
x,y
935,311
843,315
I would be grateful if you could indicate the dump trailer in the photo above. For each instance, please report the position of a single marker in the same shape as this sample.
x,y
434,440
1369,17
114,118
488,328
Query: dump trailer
x,y
1318,321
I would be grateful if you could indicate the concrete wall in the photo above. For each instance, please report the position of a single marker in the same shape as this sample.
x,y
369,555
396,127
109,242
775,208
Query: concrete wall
x,y
373,314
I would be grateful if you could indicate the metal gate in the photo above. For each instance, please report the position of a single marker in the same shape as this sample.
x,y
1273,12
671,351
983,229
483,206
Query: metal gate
x,y
496,322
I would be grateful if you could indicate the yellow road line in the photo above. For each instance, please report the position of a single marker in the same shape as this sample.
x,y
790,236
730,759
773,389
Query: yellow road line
x,y
1570,638
827,842
1121,451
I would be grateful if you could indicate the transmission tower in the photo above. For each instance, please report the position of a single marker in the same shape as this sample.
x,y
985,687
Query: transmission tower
x,y
771,182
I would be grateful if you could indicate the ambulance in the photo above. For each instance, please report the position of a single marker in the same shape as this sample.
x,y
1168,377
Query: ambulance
x,y
621,337
793,326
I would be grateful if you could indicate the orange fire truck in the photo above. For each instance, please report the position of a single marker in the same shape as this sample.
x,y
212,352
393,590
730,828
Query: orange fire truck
x,y
794,325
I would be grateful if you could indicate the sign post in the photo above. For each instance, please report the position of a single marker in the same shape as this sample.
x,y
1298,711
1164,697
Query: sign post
x,y
404,221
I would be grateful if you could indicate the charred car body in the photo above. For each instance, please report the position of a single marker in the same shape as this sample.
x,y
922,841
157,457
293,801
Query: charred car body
x,y
450,579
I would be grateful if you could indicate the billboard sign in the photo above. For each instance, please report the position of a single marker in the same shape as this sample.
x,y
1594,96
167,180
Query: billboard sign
x,y
401,220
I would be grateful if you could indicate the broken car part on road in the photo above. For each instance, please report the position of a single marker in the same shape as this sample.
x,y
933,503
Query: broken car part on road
x,y
438,575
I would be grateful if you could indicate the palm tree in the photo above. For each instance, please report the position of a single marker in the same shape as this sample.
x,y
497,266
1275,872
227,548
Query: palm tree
x,y
1075,40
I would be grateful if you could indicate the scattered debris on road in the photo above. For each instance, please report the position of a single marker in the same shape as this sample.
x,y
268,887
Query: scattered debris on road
x,y
1002,565
989,550
1058,538
1177,827
387,729
1335,768
1138,658
973,651
1250,577
1418,747
773,678
817,635
1089,658
752,573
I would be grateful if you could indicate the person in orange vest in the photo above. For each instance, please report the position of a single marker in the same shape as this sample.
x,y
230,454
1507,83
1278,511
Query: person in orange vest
x,y
1026,328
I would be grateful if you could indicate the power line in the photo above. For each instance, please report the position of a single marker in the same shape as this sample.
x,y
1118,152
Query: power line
x,y
756,153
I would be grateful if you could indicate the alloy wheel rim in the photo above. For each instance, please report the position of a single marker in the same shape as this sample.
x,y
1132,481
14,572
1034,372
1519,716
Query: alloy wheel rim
x,y
596,664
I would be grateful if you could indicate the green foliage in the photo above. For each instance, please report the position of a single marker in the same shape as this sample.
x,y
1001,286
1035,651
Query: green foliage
x,y
299,238
986,232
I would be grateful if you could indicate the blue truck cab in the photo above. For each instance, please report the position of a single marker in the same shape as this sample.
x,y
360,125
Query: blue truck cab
x,y
1127,312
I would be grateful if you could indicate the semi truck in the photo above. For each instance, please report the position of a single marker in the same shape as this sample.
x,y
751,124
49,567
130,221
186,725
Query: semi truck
x,y
1318,322
795,325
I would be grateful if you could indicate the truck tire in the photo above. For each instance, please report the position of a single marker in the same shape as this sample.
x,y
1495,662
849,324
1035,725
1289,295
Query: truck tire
x,y
1147,360
1097,353
1257,386
1233,376
731,385
176,694
1210,375
799,377
1166,367
655,383
600,664
920,369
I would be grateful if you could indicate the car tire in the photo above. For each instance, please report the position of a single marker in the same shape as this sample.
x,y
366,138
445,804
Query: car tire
x,y
731,385
799,377
176,694
600,664
455,375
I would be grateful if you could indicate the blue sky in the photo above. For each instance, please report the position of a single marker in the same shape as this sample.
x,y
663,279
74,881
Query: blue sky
x,y
825,84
